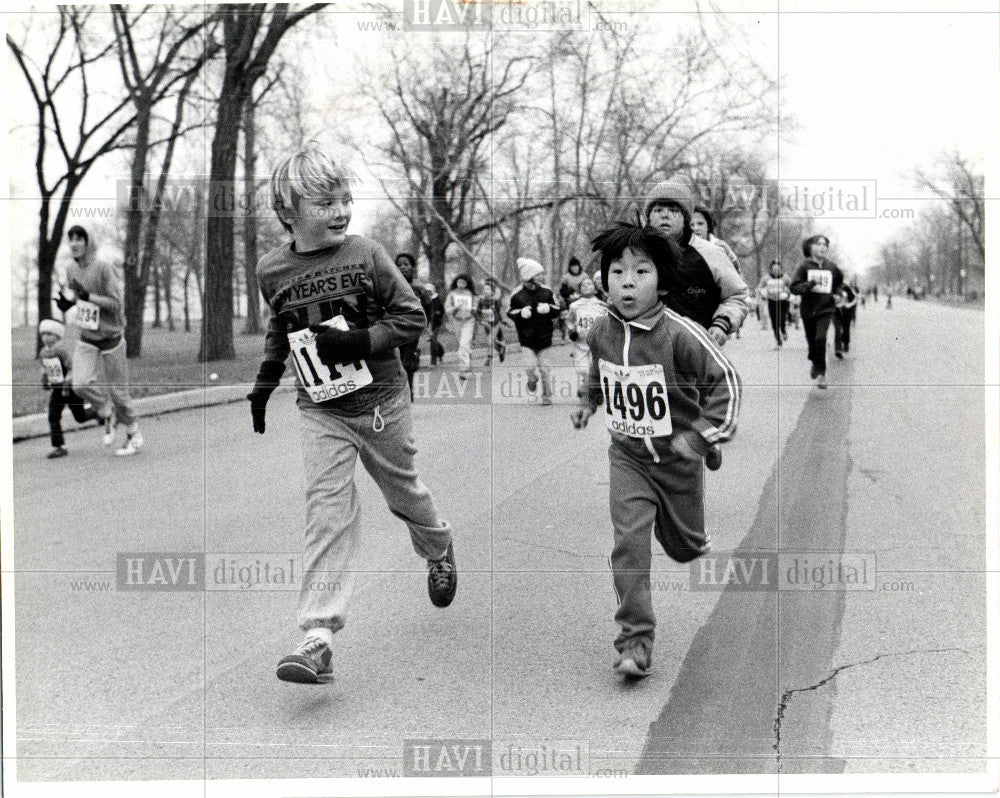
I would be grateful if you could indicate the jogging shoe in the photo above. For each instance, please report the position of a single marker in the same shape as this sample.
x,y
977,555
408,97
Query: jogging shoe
x,y
109,430
822,382
635,660
133,445
59,451
813,373
442,578
307,663
840,354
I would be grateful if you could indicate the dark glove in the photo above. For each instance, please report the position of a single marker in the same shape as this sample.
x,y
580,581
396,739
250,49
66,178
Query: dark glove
x,y
64,303
341,346
79,290
573,335
713,459
267,380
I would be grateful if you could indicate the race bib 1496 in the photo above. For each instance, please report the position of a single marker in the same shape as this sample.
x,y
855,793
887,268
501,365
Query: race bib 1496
x,y
635,400
88,315
320,380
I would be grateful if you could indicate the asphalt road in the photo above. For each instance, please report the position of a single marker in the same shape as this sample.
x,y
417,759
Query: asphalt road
x,y
884,473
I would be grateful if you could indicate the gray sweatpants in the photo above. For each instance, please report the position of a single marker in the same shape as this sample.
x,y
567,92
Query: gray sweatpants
x,y
331,445
665,500
101,378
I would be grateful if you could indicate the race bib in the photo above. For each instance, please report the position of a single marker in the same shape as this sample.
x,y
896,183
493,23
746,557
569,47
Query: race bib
x,y
53,370
322,381
88,315
823,279
635,400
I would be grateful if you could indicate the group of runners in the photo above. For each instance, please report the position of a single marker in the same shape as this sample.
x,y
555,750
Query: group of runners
x,y
647,331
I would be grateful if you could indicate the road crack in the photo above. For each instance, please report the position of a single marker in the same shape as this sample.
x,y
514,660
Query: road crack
x,y
787,695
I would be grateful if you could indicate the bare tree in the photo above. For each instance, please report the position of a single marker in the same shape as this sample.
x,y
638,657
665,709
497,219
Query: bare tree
x,y
246,58
71,128
176,48
441,122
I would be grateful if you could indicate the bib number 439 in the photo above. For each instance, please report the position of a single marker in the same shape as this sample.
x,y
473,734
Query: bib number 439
x,y
635,400
323,381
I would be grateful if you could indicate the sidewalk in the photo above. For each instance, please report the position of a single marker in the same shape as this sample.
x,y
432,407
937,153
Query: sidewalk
x,y
37,425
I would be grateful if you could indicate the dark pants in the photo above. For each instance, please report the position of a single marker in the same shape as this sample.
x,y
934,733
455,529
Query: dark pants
x,y
778,310
64,397
842,330
816,329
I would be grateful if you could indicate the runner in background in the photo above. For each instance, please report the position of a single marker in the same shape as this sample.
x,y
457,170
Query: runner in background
x,y
460,310
100,370
533,310
846,300
409,353
581,316
775,287
703,226
817,280
490,318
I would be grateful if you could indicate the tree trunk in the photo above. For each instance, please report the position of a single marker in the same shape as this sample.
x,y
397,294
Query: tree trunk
x,y
157,318
217,317
135,284
168,290
252,324
187,301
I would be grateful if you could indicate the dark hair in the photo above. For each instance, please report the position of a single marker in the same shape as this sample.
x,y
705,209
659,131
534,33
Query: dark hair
x,y
468,282
709,221
658,246
78,232
409,257
808,243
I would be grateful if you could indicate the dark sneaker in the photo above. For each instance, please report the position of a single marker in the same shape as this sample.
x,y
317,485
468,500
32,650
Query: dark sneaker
x,y
822,381
635,660
713,460
307,663
442,578
840,354
813,373
59,451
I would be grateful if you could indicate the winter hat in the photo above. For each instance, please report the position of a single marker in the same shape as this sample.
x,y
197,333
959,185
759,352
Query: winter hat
x,y
671,191
52,326
528,268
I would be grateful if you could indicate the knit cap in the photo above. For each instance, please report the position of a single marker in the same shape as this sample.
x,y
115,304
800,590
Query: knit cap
x,y
528,268
672,191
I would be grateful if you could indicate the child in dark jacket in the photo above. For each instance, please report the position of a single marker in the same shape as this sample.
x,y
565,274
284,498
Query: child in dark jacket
x,y
817,281
668,394
533,310
57,362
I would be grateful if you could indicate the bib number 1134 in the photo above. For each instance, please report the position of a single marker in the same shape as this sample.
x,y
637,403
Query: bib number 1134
x,y
323,381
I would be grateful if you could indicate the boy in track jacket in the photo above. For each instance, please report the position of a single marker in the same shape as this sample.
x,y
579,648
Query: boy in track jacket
x,y
667,394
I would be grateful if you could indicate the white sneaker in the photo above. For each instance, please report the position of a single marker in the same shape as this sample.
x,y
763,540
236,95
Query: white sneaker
x,y
109,430
133,444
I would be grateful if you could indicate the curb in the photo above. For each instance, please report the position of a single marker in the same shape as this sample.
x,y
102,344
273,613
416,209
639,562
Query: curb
x,y
37,425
